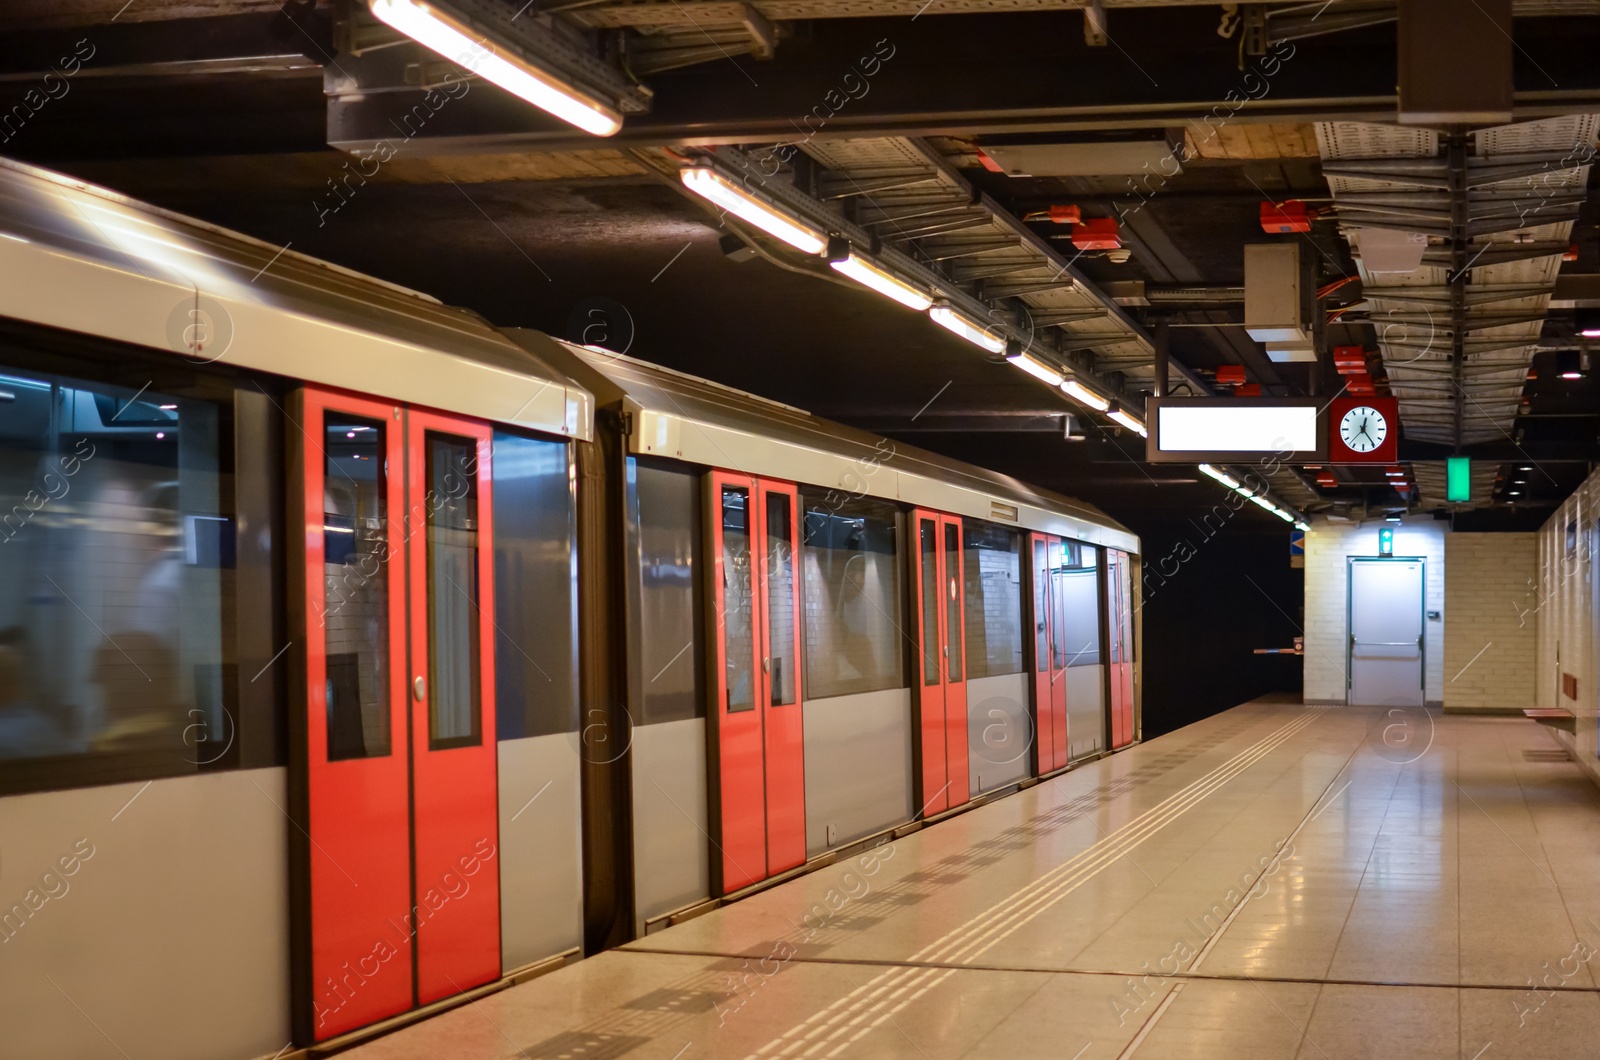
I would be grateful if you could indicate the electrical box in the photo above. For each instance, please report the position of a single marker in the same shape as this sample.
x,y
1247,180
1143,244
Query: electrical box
x,y
1285,218
1098,233
1280,300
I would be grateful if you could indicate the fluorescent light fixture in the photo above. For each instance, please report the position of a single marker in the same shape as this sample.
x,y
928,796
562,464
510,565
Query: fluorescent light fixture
x,y
1221,476
455,39
1084,396
1237,428
709,184
1245,491
1263,502
1284,514
969,329
1395,474
1036,368
1126,418
869,275
1303,526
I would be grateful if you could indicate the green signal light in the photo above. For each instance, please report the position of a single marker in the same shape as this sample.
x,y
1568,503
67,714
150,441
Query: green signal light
x,y
1386,542
1458,479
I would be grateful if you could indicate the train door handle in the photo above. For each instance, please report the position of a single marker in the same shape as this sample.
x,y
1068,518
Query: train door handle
x,y
419,688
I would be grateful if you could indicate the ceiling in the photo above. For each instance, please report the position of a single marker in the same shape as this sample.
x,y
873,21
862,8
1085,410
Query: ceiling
x,y
303,124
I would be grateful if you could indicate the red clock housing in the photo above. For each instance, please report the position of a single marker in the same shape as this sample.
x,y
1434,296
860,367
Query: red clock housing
x,y
1387,451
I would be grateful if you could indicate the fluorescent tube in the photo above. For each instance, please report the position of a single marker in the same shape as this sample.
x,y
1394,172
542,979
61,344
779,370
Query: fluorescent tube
x,y
455,39
869,275
712,185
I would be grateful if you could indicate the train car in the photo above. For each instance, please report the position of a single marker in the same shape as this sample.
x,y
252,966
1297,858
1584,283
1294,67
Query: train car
x,y
826,636
288,672
358,658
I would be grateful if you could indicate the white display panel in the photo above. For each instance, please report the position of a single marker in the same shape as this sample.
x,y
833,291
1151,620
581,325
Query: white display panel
x,y
1237,428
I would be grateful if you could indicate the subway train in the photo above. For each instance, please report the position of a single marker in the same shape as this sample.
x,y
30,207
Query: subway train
x,y
359,658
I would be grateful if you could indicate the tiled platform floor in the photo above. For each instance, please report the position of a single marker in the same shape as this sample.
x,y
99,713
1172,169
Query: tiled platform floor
x,y
1276,882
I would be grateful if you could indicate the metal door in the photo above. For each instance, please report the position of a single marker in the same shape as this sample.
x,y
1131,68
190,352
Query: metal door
x,y
759,738
940,590
1050,661
1386,631
400,815
1119,620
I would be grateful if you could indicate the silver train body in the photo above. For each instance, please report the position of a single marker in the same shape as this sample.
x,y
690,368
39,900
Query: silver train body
x,y
290,559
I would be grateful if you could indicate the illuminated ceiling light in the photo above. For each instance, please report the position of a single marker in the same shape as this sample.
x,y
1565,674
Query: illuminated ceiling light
x,y
19,239
1127,419
1084,396
1284,514
1303,526
960,324
1035,367
1221,476
1264,503
1516,493
1569,363
869,275
709,184
453,38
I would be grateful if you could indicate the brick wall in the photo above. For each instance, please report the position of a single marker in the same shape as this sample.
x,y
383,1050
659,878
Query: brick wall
x,y
1491,647
1328,549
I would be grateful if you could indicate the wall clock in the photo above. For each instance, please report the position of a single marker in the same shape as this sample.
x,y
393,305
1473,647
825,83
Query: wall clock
x,y
1364,430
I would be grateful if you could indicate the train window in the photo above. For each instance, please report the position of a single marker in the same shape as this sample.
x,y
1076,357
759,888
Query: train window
x,y
952,599
739,674
1079,581
535,598
355,619
993,576
780,660
928,548
854,638
1041,604
120,606
455,717
665,595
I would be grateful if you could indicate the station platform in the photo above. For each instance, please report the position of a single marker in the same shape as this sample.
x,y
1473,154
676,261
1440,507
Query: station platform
x,y
1276,881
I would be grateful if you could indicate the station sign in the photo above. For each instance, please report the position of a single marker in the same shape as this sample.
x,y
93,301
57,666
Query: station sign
x,y
1235,430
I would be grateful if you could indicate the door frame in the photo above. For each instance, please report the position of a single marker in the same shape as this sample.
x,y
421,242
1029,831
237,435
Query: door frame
x,y
404,555
1041,601
1349,619
758,727
954,769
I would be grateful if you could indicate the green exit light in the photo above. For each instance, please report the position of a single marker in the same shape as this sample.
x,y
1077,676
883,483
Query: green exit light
x,y
1386,542
1458,479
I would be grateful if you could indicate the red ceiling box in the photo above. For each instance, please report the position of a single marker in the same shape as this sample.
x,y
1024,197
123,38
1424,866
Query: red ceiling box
x,y
1360,384
1327,480
1230,374
1247,390
1347,360
1285,218
1364,430
1066,215
1098,233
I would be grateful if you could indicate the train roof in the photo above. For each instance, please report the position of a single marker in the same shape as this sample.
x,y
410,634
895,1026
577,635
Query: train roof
x,y
84,259
683,417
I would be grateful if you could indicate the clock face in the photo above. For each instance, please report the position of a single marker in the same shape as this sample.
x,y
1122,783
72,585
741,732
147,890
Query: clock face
x,y
1363,429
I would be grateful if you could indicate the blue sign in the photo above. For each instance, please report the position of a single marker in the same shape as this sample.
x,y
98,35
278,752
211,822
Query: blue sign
x,y
1297,543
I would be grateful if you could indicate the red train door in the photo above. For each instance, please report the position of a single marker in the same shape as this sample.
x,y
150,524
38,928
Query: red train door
x,y
1119,619
1050,660
940,590
759,737
401,806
